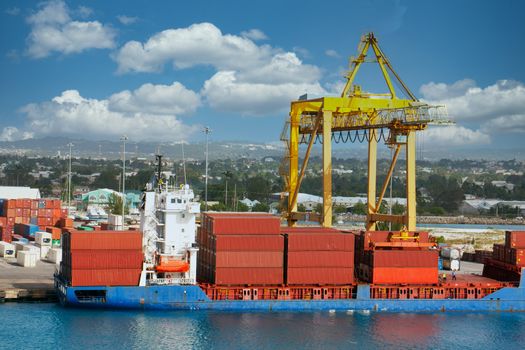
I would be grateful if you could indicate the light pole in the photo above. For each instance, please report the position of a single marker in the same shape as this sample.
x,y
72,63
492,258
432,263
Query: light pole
x,y
124,138
207,131
69,179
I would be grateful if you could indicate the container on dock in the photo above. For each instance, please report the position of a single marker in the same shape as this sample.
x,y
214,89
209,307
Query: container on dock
x,y
43,238
241,223
32,248
19,246
54,255
450,253
27,258
515,239
451,264
44,250
7,250
26,230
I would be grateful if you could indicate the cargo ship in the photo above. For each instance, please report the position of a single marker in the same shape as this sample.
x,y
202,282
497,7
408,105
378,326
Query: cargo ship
x,y
247,261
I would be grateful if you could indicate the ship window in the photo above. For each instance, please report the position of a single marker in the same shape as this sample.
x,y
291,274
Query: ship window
x,y
173,200
179,200
183,216
182,230
91,296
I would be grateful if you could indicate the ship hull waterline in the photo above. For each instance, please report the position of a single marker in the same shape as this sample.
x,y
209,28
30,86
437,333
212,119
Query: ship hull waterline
x,y
175,297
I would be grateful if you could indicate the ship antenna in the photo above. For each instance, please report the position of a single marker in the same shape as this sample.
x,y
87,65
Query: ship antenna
x,y
184,163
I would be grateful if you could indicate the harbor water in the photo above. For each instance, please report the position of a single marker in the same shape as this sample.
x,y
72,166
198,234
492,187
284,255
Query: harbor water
x,y
49,326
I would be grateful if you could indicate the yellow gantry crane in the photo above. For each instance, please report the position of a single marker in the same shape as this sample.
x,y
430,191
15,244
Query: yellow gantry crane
x,y
361,117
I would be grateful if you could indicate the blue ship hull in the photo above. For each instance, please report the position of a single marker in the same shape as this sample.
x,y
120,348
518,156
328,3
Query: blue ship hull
x,y
194,298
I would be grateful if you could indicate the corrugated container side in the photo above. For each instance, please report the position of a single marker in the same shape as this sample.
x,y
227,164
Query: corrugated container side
x,y
515,239
104,239
404,275
106,277
320,276
248,259
105,259
241,223
405,258
320,242
249,243
320,259
244,276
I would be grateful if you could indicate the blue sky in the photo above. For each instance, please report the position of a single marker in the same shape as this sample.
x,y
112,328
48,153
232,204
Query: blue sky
x,y
160,70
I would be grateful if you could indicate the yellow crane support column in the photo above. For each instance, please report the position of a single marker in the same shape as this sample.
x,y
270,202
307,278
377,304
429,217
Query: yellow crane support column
x,y
411,180
372,179
327,168
294,163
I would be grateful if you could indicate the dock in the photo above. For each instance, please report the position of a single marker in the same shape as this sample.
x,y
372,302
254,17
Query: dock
x,y
27,284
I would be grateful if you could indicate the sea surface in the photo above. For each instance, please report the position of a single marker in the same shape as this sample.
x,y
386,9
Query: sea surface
x,y
49,326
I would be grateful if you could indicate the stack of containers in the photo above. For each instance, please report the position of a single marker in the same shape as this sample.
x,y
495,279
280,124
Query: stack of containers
x,y
318,256
395,264
507,259
38,212
451,258
102,258
240,249
43,241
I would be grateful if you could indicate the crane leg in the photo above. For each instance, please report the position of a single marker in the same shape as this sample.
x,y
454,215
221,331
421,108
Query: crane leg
x,y
411,180
327,169
294,165
372,181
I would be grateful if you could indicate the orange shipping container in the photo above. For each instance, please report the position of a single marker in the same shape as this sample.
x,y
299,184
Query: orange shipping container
x,y
321,259
320,276
104,239
56,232
105,259
404,275
248,259
109,277
247,275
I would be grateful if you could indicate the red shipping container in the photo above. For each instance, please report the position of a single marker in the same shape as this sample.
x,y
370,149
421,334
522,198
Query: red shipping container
x,y
56,232
3,221
308,229
26,203
5,234
34,213
321,259
248,259
18,220
106,259
109,277
248,276
65,222
63,213
515,239
405,258
19,212
238,224
57,203
320,276
104,239
11,212
56,213
248,243
318,242
10,204
404,275
34,204
10,220
26,212
19,203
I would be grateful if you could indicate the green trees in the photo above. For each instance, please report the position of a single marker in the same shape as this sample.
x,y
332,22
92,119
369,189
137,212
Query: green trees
x,y
115,205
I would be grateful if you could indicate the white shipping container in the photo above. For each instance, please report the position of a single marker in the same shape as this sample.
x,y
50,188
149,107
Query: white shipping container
x,y
27,258
450,253
19,246
55,255
451,264
32,248
43,238
7,250
115,220
44,250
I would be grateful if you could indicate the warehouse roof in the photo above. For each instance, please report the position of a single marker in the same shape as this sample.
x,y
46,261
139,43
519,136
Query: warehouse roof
x,y
15,192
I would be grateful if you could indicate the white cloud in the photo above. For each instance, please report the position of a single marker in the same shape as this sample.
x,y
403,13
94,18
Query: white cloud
x,y
454,136
225,93
10,133
144,114
497,107
13,11
127,20
198,44
53,29
159,99
254,34
84,11
332,53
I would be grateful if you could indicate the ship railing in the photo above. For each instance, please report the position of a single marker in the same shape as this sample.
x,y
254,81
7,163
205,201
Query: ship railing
x,y
170,281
